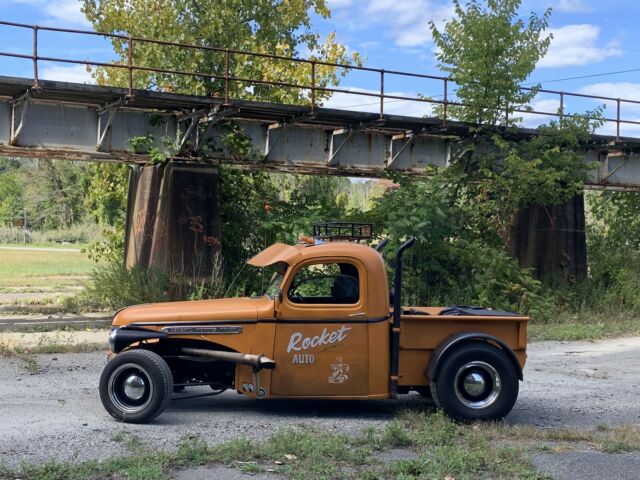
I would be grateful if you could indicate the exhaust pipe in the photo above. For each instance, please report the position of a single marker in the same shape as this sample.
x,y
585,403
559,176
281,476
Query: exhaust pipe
x,y
397,313
256,361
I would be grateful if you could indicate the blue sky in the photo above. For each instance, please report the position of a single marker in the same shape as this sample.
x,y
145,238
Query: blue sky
x,y
590,37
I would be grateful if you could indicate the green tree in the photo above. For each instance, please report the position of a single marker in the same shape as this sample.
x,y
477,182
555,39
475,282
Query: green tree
x,y
11,188
453,262
489,51
264,26
281,27
54,192
106,197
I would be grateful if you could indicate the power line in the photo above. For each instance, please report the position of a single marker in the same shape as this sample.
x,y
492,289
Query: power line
x,y
604,74
594,75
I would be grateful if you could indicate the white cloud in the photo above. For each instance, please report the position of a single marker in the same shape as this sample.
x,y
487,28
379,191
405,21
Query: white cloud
x,y
370,44
577,45
66,11
59,12
366,103
545,105
572,6
73,74
628,111
335,4
408,20
625,90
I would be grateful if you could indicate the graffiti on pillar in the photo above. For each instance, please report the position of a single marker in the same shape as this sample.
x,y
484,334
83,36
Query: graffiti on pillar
x,y
139,221
174,219
211,240
195,223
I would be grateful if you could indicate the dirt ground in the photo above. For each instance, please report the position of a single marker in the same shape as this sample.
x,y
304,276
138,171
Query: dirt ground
x,y
56,412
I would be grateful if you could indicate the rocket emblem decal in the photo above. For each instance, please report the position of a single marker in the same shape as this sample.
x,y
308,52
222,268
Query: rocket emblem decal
x,y
339,371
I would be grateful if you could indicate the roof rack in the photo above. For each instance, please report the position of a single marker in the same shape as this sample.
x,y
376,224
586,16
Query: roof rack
x,y
352,231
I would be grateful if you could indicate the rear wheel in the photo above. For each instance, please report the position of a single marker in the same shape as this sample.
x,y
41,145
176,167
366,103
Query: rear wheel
x,y
136,386
476,382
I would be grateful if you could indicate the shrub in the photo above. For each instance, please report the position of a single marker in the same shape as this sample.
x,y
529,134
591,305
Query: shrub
x,y
114,286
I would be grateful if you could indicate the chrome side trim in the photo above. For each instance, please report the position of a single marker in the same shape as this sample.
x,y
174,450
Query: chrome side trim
x,y
194,329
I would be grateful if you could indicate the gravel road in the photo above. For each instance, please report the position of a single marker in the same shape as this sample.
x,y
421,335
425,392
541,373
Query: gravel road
x,y
56,413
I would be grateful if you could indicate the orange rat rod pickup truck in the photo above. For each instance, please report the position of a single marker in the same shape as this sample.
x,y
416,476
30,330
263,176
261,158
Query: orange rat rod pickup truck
x,y
324,329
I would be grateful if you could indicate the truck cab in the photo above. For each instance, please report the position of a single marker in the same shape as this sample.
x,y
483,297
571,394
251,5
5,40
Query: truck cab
x,y
325,328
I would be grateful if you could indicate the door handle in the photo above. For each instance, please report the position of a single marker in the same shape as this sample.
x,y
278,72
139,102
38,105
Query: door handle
x,y
359,314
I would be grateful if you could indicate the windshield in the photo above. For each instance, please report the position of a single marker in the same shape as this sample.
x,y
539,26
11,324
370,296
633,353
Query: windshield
x,y
279,269
274,285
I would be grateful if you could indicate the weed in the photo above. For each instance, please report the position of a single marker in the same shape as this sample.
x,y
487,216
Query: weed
x,y
251,467
620,439
497,431
396,435
118,436
68,348
30,363
133,444
48,344
444,447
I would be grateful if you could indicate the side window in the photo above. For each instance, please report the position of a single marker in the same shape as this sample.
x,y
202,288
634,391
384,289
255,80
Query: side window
x,y
326,283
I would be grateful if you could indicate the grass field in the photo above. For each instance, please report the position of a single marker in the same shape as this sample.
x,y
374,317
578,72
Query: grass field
x,y
31,269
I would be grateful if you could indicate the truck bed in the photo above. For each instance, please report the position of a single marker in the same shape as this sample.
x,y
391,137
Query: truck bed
x,y
424,328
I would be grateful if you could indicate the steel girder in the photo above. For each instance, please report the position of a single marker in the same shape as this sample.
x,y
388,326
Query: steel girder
x,y
87,122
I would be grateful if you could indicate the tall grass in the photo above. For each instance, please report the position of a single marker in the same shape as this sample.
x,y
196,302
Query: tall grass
x,y
113,286
81,233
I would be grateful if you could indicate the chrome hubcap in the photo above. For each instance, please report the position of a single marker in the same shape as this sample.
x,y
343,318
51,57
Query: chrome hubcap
x,y
477,385
474,384
134,387
130,389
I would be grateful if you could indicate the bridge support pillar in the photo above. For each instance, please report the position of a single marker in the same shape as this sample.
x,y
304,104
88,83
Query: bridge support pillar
x,y
173,219
551,240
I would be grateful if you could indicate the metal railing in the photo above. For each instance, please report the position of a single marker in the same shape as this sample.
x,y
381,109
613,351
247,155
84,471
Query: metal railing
x,y
313,87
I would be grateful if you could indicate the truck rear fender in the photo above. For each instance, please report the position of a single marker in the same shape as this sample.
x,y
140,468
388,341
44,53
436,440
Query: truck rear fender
x,y
464,338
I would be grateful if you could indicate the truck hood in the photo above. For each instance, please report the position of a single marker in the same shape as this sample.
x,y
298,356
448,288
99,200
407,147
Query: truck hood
x,y
223,309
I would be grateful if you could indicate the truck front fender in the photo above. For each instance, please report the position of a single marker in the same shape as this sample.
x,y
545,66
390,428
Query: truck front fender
x,y
120,338
454,340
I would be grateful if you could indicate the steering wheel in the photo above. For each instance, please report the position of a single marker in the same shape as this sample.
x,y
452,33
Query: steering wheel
x,y
296,297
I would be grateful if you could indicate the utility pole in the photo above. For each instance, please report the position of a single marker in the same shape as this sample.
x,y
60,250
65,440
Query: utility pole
x,y
24,226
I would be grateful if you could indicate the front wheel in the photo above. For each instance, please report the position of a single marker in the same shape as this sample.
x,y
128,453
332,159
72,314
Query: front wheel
x,y
476,382
136,386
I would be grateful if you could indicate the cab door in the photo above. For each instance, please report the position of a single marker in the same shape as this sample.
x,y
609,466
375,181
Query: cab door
x,y
321,341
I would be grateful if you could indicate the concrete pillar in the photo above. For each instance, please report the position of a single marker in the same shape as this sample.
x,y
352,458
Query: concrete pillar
x,y
551,240
173,219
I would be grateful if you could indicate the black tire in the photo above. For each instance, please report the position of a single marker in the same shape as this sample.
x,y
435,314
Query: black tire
x,y
476,381
142,374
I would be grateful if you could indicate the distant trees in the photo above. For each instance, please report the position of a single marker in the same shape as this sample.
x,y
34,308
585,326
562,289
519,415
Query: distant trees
x,y
52,192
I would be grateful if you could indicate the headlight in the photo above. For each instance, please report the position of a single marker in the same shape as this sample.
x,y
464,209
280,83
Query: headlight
x,y
112,338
